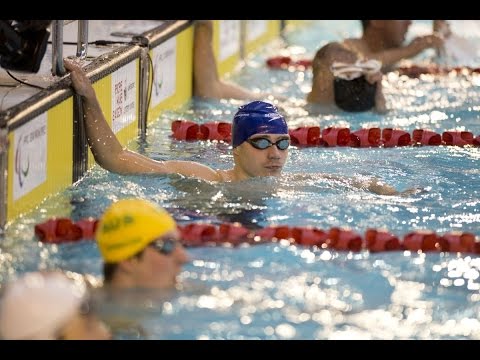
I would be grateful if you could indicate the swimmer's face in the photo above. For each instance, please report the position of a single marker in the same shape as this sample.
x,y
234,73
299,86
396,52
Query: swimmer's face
x,y
257,162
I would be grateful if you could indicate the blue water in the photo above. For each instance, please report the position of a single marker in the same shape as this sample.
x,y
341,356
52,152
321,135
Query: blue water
x,y
280,291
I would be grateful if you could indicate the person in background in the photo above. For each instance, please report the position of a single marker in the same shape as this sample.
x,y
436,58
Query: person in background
x,y
343,79
206,81
48,306
383,40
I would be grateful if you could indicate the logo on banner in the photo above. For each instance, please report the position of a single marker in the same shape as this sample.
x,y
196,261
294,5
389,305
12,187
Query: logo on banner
x,y
30,158
164,58
21,166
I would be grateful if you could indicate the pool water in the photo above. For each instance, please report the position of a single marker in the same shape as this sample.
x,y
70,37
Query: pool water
x,y
282,291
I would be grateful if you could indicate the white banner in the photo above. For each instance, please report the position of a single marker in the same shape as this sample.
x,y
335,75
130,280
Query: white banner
x,y
229,38
30,158
164,71
124,96
255,29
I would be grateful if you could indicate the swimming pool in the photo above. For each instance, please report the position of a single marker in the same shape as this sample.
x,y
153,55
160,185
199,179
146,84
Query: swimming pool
x,y
281,291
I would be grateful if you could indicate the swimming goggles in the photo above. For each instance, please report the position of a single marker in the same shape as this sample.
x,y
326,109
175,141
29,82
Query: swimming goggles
x,y
164,246
263,143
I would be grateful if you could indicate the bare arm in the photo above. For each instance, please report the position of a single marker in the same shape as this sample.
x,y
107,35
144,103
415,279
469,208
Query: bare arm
x,y
391,56
373,185
206,82
108,151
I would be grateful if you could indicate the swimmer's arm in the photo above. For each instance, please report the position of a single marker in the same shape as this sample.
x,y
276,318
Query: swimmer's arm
x,y
108,151
391,56
110,154
377,187
373,185
130,162
206,81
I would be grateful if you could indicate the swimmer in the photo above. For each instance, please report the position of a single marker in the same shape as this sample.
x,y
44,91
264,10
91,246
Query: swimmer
x,y
383,40
140,247
353,86
260,142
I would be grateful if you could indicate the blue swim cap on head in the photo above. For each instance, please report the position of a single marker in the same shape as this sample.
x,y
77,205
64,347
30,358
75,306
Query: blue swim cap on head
x,y
257,117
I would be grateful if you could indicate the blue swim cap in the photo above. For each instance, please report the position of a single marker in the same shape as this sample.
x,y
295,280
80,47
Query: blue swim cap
x,y
257,117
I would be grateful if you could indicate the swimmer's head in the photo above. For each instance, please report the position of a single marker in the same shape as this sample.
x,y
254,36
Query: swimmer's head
x,y
257,117
354,95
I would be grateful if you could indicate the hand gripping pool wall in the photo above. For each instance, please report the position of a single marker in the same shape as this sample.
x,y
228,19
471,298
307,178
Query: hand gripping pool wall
x,y
46,153
50,122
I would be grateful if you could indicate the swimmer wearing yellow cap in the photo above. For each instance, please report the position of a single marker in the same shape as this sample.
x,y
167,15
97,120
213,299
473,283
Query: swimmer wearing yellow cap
x,y
139,243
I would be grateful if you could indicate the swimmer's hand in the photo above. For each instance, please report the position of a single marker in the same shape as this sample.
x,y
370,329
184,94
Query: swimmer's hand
x,y
80,82
380,188
413,191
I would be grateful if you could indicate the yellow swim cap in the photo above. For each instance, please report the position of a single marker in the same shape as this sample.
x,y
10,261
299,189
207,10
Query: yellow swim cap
x,y
128,226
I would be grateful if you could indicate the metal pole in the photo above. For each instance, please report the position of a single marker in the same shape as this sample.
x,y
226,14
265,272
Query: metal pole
x,y
82,39
57,48
3,178
144,95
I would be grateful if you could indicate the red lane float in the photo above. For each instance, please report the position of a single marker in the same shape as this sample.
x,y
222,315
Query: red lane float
x,y
381,240
395,137
185,130
305,136
422,240
476,141
216,131
426,137
60,230
188,130
365,138
333,136
286,62
460,242
309,236
63,230
458,138
334,238
344,239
